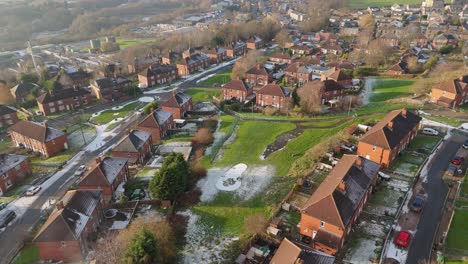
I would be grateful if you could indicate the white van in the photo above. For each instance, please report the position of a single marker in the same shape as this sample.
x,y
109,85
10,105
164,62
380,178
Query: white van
x,y
430,131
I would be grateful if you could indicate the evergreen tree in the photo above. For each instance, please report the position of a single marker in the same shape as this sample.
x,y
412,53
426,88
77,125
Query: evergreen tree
x,y
142,248
171,180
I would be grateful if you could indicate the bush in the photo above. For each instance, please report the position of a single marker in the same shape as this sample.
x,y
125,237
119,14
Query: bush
x,y
147,109
270,111
232,105
142,248
446,49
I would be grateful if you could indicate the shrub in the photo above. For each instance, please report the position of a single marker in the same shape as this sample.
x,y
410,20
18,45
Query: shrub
x,y
446,49
270,111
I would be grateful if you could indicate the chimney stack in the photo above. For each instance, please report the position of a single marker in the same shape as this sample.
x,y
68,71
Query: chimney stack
x,y
59,205
404,112
46,125
358,162
342,186
98,160
390,125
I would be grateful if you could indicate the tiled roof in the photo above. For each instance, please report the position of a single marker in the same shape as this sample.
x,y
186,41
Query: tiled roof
x,y
36,131
455,86
331,85
105,83
104,173
133,142
240,85
258,70
155,119
177,100
9,161
68,223
24,88
5,110
274,89
287,253
61,94
282,56
383,136
332,205
161,69
338,75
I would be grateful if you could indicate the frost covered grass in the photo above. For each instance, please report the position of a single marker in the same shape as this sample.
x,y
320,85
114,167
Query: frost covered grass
x,y
119,112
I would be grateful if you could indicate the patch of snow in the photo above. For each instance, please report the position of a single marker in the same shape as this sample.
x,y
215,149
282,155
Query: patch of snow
x,y
232,179
427,122
204,245
218,136
367,91
117,225
146,99
363,252
373,229
464,126
396,253
207,185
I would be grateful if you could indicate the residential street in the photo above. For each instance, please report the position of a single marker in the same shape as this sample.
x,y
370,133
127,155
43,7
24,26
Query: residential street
x,y
14,235
422,244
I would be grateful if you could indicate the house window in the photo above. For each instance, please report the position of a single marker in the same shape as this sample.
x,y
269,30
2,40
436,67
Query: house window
x,y
4,176
374,148
63,243
9,184
322,223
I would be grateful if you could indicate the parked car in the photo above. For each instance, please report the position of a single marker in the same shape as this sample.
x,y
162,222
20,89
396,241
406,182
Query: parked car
x,y
138,194
403,239
33,190
430,131
80,170
454,171
457,160
417,204
384,176
6,218
465,145
3,206
348,148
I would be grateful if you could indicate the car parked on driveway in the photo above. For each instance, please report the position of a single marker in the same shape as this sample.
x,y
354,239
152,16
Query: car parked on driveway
x,y
465,144
430,131
6,218
33,190
348,148
417,204
403,239
457,160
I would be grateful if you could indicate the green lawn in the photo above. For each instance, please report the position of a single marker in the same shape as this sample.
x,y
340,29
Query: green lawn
x,y
227,121
59,158
251,140
126,43
458,234
109,115
27,255
203,94
455,261
219,78
5,145
426,142
390,88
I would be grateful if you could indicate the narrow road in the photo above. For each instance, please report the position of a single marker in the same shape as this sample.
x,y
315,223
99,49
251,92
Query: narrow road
x,y
436,189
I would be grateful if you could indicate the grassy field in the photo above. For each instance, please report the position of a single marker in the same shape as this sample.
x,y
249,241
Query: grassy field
x,y
455,261
27,255
458,233
203,94
379,3
390,88
126,43
219,78
227,121
109,115
426,142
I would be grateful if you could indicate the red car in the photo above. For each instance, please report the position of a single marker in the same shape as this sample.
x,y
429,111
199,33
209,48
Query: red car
x,y
403,238
457,160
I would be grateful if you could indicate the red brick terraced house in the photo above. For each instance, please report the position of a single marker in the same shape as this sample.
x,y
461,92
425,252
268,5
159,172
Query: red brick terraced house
x,y
23,91
273,95
255,43
452,93
236,49
105,175
291,253
258,75
13,169
444,40
136,146
330,213
111,89
325,37
194,63
390,136
8,116
217,55
281,58
237,89
178,105
63,100
156,75
298,73
65,234
157,123
38,138
171,57
302,50
331,48
332,92
75,79
338,76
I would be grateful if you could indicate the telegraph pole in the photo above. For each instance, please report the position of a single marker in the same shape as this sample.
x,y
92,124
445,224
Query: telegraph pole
x,y
30,50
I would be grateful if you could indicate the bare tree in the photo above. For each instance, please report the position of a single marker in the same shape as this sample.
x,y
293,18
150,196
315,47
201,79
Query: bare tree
x,y
255,223
282,38
378,53
367,21
310,95
413,65
251,59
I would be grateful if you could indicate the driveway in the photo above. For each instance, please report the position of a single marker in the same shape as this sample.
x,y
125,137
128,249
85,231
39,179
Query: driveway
x,y
436,189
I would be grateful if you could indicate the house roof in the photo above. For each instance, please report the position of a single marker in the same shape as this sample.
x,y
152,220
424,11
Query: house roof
x,y
23,88
455,86
155,119
338,75
274,89
5,110
9,161
133,142
287,253
282,56
69,222
61,94
335,206
331,85
177,100
258,70
240,85
36,131
105,83
383,136
104,172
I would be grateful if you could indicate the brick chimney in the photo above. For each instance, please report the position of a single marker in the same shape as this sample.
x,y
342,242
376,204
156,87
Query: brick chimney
x,y
404,112
46,125
98,160
390,125
358,162
342,186
59,205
